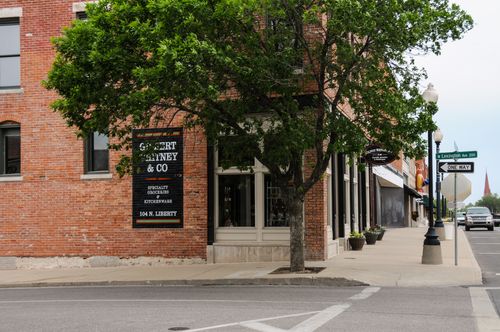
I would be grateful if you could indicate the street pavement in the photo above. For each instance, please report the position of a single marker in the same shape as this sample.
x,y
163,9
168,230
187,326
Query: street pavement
x,y
235,308
393,262
394,292
486,300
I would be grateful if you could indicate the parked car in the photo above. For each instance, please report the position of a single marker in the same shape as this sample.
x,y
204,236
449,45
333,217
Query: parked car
x,y
496,219
478,216
461,218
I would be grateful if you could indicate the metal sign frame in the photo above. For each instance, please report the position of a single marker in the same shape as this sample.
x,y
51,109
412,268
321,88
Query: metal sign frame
x,y
456,155
456,167
157,180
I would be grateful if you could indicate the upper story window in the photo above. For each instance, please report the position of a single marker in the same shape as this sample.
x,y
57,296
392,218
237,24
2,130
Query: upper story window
x,y
277,30
81,16
10,53
96,153
10,149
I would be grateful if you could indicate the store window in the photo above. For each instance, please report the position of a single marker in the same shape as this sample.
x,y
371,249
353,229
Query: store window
x,y
96,153
10,57
274,205
247,197
236,201
10,150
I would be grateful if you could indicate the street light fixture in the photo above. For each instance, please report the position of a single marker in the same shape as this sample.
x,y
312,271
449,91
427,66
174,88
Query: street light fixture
x,y
432,247
438,225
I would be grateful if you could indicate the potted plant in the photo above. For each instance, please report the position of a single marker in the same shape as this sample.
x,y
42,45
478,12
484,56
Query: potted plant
x,y
381,232
356,240
371,236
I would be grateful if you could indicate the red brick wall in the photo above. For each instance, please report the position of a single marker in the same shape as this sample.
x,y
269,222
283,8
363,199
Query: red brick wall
x,y
315,211
54,213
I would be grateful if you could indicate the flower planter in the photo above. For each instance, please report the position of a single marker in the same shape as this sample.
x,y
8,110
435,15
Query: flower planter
x,y
380,235
356,243
371,237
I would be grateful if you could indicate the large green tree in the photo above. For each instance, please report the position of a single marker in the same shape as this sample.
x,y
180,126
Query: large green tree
x,y
490,201
280,76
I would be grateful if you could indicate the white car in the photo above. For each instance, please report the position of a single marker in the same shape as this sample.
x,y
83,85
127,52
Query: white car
x,y
461,218
479,216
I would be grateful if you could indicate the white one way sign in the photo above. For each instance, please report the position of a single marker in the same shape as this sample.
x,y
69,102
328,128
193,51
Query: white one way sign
x,y
456,167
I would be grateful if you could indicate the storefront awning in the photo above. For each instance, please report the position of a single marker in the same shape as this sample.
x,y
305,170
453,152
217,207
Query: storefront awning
x,y
388,178
412,192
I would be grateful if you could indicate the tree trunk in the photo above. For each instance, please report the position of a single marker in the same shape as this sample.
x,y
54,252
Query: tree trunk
x,y
295,209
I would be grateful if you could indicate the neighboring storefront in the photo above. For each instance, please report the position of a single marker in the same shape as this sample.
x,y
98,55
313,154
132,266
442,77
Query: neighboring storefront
x,y
389,196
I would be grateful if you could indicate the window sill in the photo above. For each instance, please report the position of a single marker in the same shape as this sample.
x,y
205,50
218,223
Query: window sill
x,y
11,90
11,178
96,176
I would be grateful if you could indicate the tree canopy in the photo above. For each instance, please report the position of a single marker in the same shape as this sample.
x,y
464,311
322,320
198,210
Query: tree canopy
x,y
492,202
279,76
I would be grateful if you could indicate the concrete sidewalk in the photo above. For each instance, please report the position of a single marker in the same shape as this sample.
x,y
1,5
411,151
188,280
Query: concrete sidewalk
x,y
395,261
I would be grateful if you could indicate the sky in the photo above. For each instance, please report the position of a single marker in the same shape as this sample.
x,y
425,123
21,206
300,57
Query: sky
x,y
467,78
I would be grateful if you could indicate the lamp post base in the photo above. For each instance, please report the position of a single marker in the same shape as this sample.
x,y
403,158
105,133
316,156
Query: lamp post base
x,y
432,248
440,230
432,254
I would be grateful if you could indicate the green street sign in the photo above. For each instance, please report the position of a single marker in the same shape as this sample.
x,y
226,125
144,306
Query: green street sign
x,y
456,155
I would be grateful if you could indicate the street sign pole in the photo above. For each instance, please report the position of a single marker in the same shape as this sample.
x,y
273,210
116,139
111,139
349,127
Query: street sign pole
x,y
456,222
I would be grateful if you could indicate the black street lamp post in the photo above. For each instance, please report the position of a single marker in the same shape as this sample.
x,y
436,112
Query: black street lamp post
x,y
432,247
438,225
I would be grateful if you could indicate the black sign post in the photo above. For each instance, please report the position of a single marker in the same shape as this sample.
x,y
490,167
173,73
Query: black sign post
x,y
158,178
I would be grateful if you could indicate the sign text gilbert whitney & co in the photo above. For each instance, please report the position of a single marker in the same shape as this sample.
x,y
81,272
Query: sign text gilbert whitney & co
x,y
158,178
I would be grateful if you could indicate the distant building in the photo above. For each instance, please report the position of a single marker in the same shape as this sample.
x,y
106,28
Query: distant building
x,y
487,191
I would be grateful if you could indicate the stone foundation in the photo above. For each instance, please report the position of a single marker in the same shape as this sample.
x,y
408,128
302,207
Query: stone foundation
x,y
13,263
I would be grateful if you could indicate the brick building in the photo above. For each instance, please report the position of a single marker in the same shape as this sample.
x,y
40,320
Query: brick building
x,y
64,204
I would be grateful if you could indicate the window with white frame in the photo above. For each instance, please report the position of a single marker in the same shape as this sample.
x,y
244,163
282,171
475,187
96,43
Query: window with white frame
x,y
10,53
274,205
247,198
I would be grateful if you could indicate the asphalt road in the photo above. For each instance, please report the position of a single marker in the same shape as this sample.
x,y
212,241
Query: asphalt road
x,y
486,247
235,308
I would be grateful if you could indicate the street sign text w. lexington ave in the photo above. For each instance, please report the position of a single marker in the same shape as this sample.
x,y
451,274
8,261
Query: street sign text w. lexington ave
x,y
456,155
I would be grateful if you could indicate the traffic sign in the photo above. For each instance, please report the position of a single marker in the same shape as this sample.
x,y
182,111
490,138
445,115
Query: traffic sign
x,y
456,155
456,167
464,187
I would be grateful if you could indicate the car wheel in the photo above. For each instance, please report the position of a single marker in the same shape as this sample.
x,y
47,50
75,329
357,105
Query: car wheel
x,y
490,228
467,228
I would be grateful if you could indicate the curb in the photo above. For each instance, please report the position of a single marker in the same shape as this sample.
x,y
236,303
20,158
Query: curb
x,y
322,281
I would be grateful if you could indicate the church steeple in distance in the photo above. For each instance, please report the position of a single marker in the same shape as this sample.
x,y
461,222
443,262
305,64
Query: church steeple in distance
x,y
487,191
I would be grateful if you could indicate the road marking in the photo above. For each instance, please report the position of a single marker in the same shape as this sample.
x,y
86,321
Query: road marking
x,y
483,309
311,324
253,320
151,300
486,243
321,318
366,293
257,326
498,274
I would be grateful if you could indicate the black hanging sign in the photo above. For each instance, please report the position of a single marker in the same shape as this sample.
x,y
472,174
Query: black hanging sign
x,y
158,178
377,155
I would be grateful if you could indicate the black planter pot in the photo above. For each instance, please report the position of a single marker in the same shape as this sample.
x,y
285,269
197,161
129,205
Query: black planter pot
x,y
380,235
356,243
371,238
